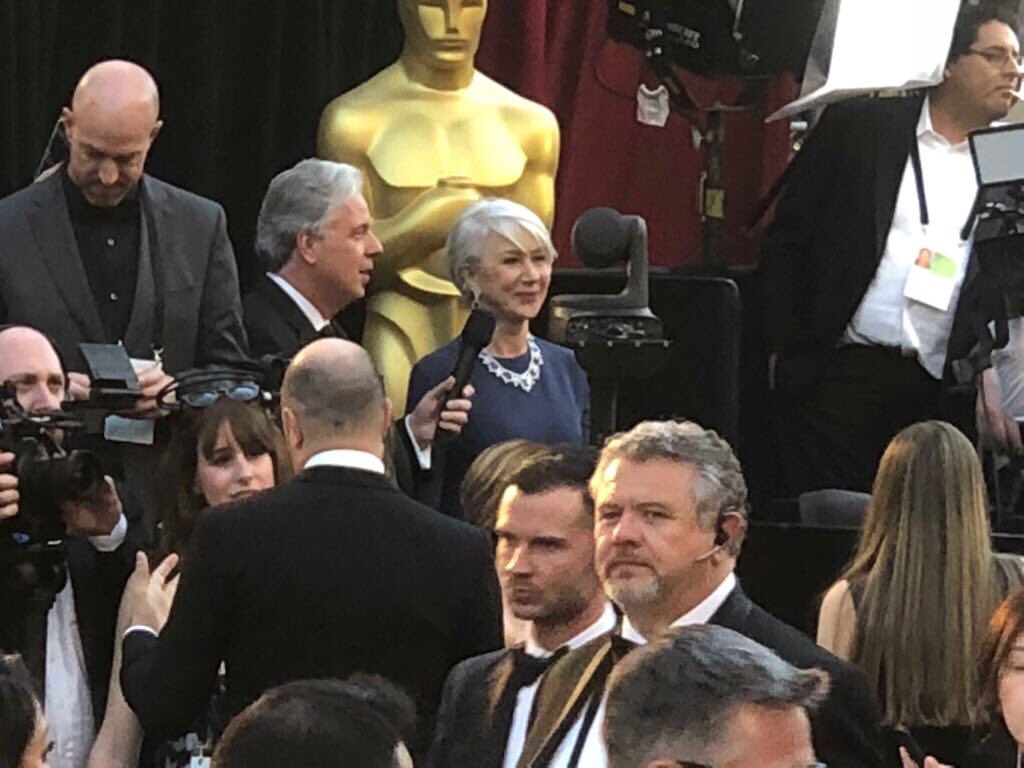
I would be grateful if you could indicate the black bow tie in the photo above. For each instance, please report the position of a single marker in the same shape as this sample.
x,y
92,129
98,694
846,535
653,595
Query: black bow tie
x,y
527,669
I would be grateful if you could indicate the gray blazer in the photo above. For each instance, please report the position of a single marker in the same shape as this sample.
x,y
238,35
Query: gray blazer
x,y
43,283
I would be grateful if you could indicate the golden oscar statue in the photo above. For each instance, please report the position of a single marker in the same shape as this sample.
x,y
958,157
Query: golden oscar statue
x,y
433,135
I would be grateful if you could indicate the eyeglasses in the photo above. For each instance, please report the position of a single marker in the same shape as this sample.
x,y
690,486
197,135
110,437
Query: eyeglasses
x,y
204,398
999,57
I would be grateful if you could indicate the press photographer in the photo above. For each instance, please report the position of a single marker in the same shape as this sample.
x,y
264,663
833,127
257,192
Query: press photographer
x,y
59,585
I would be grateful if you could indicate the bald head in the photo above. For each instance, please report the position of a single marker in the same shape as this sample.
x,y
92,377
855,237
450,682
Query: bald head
x,y
111,125
117,85
335,392
29,361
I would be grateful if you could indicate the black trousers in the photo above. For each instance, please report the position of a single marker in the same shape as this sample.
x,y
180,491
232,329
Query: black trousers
x,y
836,411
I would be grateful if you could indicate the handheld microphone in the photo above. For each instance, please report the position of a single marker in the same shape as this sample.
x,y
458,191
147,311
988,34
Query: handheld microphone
x,y
475,336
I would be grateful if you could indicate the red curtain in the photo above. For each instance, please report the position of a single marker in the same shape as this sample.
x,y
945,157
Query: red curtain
x,y
557,52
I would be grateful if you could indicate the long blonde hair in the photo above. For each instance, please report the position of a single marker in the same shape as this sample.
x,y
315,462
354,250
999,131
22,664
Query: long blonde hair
x,y
929,582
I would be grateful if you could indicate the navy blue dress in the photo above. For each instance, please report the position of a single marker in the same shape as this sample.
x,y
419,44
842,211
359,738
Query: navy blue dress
x,y
555,410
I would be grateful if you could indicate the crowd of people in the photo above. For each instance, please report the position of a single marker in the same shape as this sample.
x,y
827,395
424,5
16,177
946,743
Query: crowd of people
x,y
303,577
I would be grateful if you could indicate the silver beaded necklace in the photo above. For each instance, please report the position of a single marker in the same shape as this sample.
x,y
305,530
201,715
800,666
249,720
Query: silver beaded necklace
x,y
524,380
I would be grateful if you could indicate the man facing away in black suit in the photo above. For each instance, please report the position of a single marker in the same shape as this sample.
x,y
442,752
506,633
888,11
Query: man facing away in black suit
x,y
669,520
708,696
332,573
869,289
545,562
314,236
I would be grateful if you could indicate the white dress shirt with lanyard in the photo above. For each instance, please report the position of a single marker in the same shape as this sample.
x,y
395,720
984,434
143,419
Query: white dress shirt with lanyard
x,y
593,753
525,697
933,204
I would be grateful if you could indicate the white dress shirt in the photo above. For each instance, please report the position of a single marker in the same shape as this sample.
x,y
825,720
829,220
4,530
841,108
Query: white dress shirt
x,y
594,754
318,321
339,457
68,703
526,695
885,316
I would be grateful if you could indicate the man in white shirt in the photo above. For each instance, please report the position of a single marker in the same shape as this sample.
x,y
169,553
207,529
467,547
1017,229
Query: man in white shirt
x,y
670,516
545,562
314,236
868,285
709,696
78,645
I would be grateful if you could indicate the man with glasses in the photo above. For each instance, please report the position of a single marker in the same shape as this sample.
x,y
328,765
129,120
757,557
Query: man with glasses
x,y
869,286
708,697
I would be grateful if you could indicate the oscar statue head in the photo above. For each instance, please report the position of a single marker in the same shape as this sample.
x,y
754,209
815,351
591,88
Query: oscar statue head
x,y
442,34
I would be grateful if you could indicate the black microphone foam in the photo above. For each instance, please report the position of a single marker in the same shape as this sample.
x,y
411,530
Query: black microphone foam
x,y
601,238
476,335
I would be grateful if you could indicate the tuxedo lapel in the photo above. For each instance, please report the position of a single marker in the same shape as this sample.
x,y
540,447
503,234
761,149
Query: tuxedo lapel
x,y
563,693
733,613
51,227
496,723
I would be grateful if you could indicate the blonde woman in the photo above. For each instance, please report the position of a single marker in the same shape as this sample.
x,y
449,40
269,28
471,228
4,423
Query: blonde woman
x,y
911,608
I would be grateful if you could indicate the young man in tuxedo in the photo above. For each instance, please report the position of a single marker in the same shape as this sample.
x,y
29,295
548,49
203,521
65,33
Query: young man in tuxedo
x,y
669,520
332,573
545,561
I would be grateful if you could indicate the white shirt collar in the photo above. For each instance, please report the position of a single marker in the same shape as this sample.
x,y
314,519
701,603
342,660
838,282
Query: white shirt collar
x,y
699,614
925,128
600,627
344,457
305,306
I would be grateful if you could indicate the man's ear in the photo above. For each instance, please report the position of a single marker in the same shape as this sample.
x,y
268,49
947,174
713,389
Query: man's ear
x,y
292,429
304,243
67,117
156,131
732,524
389,413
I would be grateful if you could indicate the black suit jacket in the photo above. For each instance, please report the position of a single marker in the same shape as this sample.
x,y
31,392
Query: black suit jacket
x,y
276,326
467,733
846,727
831,224
186,267
274,323
332,573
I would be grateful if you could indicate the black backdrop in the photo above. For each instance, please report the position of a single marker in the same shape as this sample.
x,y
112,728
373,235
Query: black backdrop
x,y
243,82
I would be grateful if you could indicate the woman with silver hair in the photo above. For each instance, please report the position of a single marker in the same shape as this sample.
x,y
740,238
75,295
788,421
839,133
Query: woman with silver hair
x,y
500,255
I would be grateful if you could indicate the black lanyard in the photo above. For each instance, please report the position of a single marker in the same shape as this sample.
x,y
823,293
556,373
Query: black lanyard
x,y
915,161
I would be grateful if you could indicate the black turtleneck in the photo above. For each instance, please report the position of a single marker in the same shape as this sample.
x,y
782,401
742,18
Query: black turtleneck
x,y
108,244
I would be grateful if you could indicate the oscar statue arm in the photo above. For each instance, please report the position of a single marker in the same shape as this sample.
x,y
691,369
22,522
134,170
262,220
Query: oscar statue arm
x,y
542,144
411,233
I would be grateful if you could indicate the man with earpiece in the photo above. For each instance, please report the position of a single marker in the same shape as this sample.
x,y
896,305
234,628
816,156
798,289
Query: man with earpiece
x,y
670,515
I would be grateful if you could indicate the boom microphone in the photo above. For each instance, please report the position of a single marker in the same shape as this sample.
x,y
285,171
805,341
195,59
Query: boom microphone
x,y
475,336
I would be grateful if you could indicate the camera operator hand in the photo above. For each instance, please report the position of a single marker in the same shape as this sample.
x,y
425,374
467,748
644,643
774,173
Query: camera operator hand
x,y
8,487
78,386
97,517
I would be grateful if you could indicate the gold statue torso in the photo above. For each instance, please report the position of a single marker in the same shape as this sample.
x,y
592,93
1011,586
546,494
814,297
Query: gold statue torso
x,y
426,155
